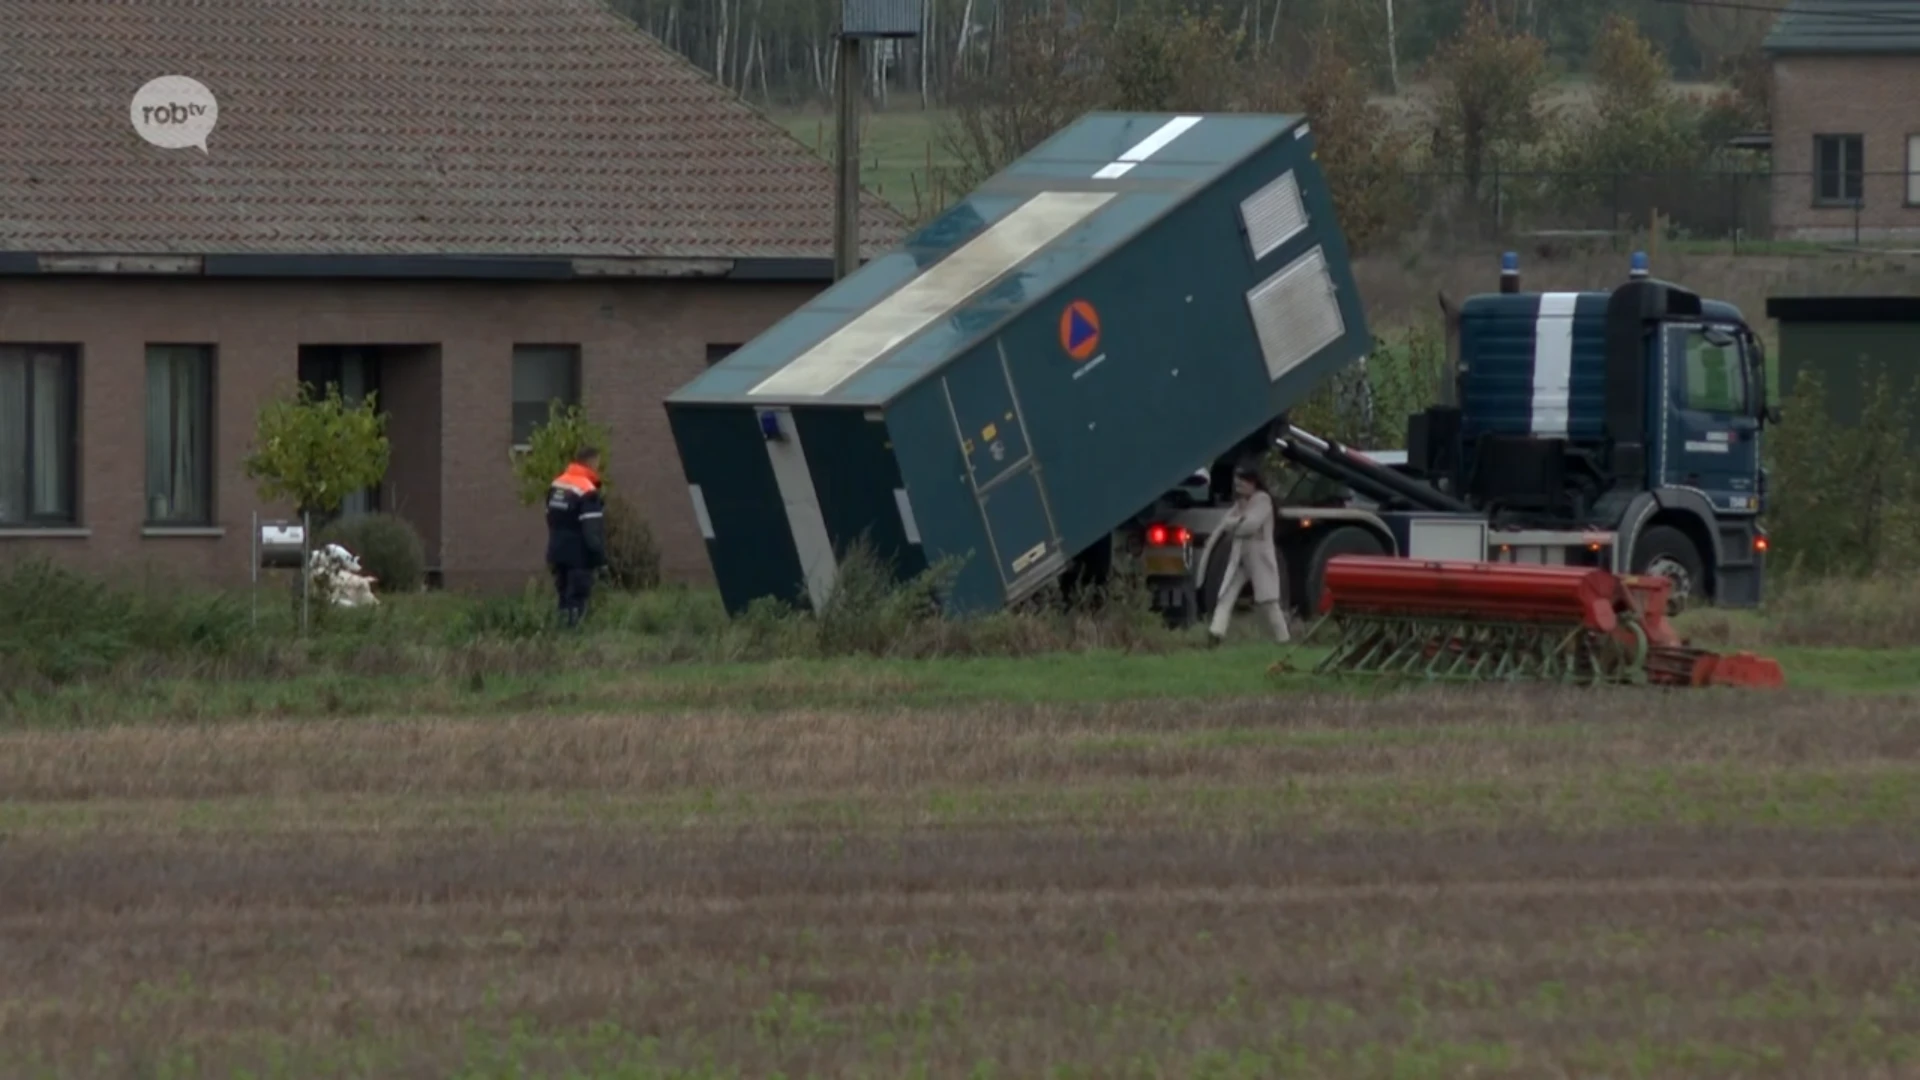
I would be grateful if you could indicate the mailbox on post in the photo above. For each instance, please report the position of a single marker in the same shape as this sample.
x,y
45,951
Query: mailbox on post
x,y
279,545
880,18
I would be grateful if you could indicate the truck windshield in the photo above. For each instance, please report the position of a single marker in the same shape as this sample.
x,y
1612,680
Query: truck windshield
x,y
1716,370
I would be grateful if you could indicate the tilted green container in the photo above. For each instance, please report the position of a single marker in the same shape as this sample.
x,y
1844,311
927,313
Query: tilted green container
x,y
1036,366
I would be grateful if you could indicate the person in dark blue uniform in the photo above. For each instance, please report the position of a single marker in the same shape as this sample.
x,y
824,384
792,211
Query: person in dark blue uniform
x,y
576,533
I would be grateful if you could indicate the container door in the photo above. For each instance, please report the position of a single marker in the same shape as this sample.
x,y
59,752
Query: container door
x,y
1002,472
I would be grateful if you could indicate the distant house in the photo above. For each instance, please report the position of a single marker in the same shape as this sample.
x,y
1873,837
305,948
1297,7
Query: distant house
x,y
470,208
1846,119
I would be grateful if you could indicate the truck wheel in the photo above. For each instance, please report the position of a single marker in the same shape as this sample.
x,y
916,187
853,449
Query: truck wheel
x,y
1665,551
1349,540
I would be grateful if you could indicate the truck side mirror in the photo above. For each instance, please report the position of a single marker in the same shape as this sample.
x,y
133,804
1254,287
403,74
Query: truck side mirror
x,y
1756,354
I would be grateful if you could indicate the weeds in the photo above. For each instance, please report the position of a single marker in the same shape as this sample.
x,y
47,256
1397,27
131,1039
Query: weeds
x,y
58,626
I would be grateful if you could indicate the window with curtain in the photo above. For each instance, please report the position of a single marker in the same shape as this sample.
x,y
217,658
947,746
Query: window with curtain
x,y
39,387
179,435
542,374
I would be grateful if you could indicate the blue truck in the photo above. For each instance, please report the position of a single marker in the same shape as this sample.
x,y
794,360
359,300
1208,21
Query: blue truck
x,y
1618,428
1069,362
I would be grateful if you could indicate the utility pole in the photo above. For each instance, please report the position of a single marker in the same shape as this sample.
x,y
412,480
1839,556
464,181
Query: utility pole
x,y
860,20
846,201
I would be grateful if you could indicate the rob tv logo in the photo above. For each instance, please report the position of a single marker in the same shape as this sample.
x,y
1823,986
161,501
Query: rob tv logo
x,y
174,112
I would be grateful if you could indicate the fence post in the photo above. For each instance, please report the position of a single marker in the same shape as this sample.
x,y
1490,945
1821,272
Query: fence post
x,y
1739,209
1499,204
1617,214
306,567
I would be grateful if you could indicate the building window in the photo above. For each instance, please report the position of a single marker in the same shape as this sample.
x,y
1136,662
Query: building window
x,y
542,376
1913,170
179,435
1838,164
717,353
39,394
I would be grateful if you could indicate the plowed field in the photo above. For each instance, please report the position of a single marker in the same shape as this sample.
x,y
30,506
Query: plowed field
x,y
1488,883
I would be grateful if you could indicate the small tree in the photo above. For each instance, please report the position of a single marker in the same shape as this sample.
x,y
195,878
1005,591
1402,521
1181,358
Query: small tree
x,y
1180,63
1360,150
1043,77
1638,130
314,451
551,447
1488,108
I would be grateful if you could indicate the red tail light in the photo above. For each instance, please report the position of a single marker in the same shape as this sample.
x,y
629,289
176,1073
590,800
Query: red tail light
x,y
1158,535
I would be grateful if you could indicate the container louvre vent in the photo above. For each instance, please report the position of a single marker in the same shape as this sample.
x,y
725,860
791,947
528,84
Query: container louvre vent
x,y
1273,215
1296,313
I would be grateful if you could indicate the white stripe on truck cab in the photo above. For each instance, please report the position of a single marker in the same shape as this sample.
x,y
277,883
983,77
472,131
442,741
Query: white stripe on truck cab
x,y
1553,364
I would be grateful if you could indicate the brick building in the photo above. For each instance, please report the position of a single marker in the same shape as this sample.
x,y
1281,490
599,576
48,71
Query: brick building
x,y
471,209
1846,120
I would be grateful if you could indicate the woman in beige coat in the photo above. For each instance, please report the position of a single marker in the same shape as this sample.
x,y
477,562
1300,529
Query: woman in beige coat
x,y
1252,559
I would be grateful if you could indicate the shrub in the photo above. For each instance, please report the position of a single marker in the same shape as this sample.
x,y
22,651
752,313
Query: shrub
x,y
316,451
58,625
388,548
551,447
1844,500
870,611
633,558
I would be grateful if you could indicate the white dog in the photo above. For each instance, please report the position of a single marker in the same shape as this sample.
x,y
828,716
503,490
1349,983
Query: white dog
x,y
337,576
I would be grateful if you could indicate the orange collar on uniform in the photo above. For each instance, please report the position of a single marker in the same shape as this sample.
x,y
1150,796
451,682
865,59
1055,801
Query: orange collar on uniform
x,y
578,478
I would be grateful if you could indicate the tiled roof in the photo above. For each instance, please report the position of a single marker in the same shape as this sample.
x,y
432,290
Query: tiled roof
x,y
404,127
1846,26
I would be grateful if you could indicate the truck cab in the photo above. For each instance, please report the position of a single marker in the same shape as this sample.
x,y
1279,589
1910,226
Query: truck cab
x,y
1636,413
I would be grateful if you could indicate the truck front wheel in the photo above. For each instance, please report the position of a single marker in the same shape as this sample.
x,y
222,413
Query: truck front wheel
x,y
1664,551
1347,540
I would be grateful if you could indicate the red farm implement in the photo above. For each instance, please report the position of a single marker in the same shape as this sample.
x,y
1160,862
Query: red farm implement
x,y
1484,621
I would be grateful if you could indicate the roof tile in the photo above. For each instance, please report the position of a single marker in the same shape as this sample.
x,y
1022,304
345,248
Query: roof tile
x,y
1846,26
475,127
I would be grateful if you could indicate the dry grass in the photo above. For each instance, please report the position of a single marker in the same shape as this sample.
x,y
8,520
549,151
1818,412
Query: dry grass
x,y
1519,883
1878,612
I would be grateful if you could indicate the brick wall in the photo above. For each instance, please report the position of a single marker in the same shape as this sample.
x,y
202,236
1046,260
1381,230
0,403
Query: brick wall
x,y
1877,97
639,341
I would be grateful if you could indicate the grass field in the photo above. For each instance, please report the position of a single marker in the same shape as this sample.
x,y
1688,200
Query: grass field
x,y
435,841
1488,883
